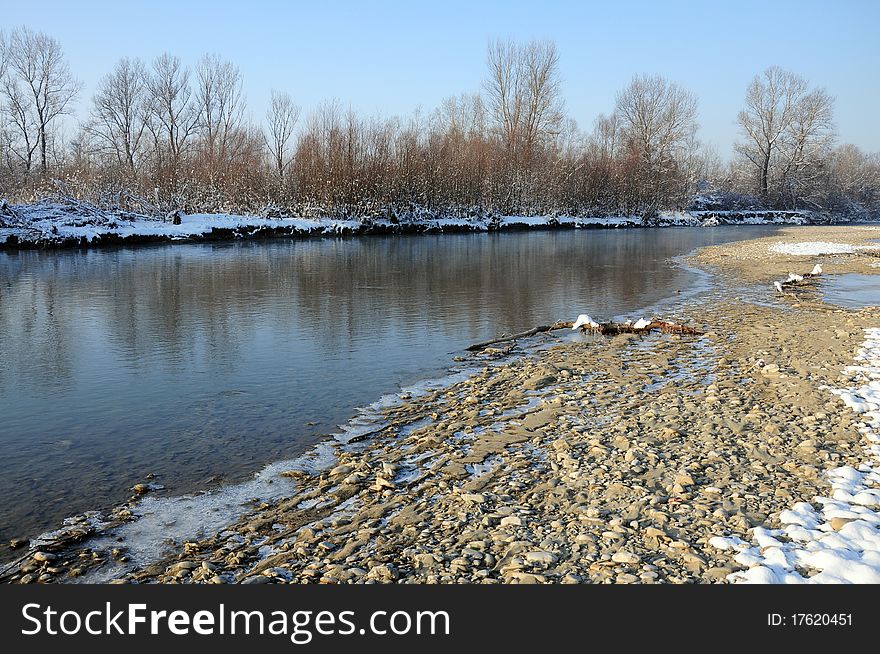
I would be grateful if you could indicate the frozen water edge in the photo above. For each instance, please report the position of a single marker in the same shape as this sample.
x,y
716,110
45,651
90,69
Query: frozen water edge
x,y
839,543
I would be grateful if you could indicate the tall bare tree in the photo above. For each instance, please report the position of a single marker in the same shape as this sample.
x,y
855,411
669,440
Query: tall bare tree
x,y
220,105
784,123
172,117
657,117
38,87
281,119
657,120
523,88
118,117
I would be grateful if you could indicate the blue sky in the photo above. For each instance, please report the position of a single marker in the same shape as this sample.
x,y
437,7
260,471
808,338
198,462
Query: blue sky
x,y
390,57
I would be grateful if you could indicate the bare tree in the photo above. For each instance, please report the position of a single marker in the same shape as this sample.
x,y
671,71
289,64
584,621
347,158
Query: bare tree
x,y
118,117
523,89
657,118
810,138
221,104
172,117
281,119
782,122
38,87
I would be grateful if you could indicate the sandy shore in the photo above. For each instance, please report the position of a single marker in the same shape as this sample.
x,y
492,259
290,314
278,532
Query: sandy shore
x,y
597,459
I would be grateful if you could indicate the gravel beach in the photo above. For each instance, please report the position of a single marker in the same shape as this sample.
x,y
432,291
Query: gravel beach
x,y
590,459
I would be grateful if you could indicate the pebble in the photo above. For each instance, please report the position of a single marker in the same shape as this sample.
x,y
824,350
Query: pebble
x,y
623,556
541,557
44,556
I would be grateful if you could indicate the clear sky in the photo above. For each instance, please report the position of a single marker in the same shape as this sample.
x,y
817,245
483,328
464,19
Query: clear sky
x,y
390,57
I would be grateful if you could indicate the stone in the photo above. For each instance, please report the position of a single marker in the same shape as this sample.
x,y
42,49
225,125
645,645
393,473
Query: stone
x,y
684,479
44,557
626,578
541,557
384,572
625,557
511,521
473,498
839,523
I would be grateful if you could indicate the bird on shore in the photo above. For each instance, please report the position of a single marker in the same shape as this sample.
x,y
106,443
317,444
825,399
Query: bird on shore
x,y
817,270
793,278
778,286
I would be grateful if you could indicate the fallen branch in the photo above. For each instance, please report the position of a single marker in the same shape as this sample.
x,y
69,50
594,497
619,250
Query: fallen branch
x,y
798,280
605,329
613,328
531,332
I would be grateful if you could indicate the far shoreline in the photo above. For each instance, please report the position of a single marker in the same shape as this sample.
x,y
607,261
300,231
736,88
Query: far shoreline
x,y
60,229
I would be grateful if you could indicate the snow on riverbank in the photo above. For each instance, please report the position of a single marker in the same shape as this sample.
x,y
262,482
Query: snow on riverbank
x,y
815,248
52,224
839,542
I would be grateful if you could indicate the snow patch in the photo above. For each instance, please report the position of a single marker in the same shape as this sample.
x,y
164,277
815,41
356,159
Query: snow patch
x,y
814,248
838,542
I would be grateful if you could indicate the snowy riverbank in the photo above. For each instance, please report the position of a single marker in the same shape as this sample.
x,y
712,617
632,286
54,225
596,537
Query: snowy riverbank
x,y
51,225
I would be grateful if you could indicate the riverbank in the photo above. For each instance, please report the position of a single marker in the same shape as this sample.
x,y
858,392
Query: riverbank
x,y
48,225
627,459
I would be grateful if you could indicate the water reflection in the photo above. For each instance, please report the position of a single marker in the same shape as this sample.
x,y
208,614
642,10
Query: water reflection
x,y
190,361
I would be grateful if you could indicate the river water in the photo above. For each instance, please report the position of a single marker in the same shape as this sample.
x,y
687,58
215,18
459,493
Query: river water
x,y
201,363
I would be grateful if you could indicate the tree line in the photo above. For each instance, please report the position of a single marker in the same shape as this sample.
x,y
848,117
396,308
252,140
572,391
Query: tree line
x,y
160,135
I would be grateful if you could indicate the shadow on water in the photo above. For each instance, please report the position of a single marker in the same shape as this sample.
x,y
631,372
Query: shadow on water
x,y
206,361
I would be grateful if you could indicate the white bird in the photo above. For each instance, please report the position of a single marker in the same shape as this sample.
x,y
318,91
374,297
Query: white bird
x,y
778,287
794,278
641,323
585,320
817,270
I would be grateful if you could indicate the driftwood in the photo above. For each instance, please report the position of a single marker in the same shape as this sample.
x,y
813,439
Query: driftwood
x,y
531,332
605,329
793,280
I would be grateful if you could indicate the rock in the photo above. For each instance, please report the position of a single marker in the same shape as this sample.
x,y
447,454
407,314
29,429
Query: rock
x,y
16,543
839,523
257,579
684,479
626,578
185,565
718,573
44,557
511,521
341,470
526,578
541,557
385,572
424,561
473,498
626,557
382,483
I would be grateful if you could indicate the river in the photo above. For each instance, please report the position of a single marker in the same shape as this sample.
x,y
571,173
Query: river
x,y
201,363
